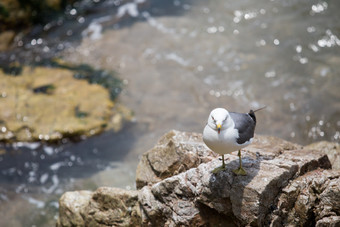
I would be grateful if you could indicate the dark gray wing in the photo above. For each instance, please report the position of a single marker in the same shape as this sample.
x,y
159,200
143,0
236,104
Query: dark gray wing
x,y
245,124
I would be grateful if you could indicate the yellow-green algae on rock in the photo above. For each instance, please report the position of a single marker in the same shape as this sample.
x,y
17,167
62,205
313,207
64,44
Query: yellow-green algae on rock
x,y
49,103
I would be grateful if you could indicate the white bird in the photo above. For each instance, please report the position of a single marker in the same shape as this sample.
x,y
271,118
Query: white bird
x,y
226,132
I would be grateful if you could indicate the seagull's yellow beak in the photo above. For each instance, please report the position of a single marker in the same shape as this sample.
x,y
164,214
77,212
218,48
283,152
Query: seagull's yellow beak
x,y
218,126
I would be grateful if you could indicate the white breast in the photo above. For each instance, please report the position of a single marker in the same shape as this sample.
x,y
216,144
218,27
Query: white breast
x,y
222,143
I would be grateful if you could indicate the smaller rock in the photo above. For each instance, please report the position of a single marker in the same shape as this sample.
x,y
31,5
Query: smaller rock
x,y
72,208
174,153
113,207
104,207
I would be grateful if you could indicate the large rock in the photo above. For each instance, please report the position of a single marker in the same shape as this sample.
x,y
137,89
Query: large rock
x,y
187,198
286,184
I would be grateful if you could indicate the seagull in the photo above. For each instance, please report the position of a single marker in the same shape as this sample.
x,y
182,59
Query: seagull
x,y
226,132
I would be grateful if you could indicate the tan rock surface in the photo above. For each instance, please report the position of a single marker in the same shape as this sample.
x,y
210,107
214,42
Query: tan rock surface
x,y
113,207
72,208
174,153
331,149
104,207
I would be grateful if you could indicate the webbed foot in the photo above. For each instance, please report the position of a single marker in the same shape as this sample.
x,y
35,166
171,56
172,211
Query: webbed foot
x,y
221,168
240,171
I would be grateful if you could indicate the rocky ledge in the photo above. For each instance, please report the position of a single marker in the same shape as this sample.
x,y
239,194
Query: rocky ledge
x,y
287,185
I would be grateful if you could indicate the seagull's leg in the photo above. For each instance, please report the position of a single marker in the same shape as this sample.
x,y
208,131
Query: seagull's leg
x,y
240,170
218,169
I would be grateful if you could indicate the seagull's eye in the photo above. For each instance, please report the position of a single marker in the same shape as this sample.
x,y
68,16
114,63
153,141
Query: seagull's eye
x,y
213,118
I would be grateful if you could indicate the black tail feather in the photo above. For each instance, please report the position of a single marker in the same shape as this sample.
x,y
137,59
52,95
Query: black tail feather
x,y
259,109
252,113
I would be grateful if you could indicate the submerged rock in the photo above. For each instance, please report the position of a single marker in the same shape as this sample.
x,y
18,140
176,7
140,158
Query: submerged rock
x,y
49,104
286,184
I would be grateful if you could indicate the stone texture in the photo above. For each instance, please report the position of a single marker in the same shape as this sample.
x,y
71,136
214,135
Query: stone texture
x,y
174,153
333,221
286,185
309,200
113,207
331,149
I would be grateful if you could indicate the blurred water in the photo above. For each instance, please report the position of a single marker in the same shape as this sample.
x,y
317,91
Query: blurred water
x,y
179,60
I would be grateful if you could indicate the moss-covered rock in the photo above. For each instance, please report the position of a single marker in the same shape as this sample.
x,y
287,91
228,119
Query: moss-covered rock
x,y
49,103
20,13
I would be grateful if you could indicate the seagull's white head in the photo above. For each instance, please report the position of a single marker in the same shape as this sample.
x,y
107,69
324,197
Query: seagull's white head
x,y
219,119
